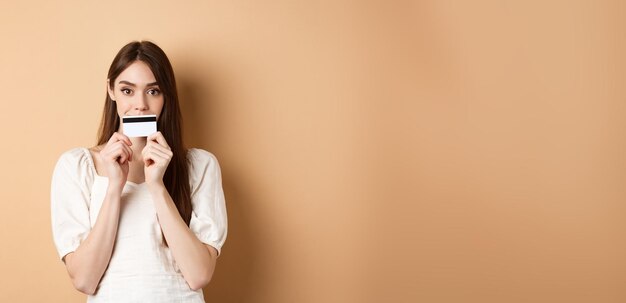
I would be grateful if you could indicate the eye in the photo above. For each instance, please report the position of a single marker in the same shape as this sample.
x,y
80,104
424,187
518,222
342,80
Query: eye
x,y
126,91
154,92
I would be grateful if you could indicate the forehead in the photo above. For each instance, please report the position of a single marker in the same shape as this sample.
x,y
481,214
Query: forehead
x,y
137,72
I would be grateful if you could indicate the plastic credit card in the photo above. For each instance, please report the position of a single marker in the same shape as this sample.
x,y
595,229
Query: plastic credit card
x,y
139,126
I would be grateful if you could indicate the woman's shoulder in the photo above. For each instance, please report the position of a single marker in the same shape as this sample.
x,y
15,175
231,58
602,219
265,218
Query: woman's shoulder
x,y
203,167
76,154
201,161
74,161
199,156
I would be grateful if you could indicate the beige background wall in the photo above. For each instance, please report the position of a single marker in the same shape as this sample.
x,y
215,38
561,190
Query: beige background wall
x,y
433,151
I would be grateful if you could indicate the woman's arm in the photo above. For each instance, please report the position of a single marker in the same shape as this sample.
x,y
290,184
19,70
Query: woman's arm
x,y
87,264
89,261
195,259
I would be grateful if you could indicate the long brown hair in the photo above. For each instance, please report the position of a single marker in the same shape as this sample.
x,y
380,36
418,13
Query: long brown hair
x,y
176,178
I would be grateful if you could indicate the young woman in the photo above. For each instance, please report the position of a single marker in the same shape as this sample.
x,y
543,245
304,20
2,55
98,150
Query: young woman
x,y
139,219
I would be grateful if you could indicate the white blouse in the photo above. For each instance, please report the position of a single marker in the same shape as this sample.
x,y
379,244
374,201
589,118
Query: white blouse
x,y
142,268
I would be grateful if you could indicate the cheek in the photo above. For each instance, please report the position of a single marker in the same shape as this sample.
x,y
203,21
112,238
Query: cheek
x,y
123,106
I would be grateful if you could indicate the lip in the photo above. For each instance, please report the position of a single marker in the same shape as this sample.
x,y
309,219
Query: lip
x,y
139,114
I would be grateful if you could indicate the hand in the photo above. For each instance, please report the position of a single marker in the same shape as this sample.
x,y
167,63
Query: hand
x,y
156,157
115,156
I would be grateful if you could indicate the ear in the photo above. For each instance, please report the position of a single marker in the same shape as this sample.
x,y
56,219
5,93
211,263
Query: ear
x,y
110,91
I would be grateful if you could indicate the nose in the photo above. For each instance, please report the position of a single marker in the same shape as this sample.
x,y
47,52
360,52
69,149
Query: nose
x,y
141,103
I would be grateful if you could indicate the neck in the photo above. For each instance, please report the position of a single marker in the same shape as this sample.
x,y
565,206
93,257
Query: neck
x,y
138,144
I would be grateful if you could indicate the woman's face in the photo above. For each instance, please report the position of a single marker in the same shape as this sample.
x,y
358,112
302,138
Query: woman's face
x,y
136,92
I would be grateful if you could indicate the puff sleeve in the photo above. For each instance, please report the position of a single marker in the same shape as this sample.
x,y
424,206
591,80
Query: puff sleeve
x,y
70,198
208,218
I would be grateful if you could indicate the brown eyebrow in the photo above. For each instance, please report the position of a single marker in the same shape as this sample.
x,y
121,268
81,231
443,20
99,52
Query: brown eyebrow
x,y
133,84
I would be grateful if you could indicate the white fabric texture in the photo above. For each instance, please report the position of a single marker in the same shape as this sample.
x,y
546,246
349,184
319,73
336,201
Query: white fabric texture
x,y
141,268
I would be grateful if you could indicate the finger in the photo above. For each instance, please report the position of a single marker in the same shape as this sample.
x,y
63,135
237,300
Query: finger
x,y
121,143
129,154
111,151
118,152
157,160
112,139
129,151
159,154
122,152
162,148
119,137
158,136
150,159
124,138
156,155
147,157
